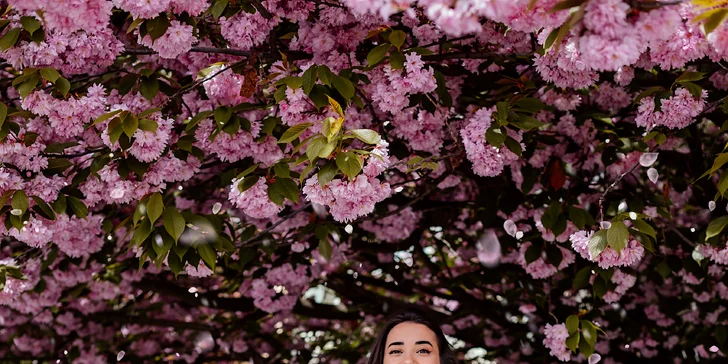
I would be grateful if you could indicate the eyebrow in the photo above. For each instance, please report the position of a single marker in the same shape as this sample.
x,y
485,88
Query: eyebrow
x,y
425,342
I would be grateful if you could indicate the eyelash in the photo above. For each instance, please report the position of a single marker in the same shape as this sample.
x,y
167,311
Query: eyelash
x,y
423,351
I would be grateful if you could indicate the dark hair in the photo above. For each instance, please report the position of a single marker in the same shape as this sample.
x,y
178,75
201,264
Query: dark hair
x,y
376,356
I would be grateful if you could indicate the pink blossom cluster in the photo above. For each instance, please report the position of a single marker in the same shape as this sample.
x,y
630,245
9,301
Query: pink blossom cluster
x,y
561,101
73,236
611,98
677,112
540,268
245,31
623,282
177,40
71,54
566,67
150,9
224,89
393,228
89,15
555,341
487,160
28,158
422,130
390,87
241,145
68,118
609,257
280,288
254,202
347,200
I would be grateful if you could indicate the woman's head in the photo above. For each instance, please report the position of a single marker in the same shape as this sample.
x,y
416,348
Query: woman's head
x,y
411,337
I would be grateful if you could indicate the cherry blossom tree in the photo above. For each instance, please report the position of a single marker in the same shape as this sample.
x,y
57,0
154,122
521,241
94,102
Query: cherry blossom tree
x,y
266,180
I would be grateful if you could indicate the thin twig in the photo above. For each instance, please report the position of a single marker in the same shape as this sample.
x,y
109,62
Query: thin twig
x,y
270,228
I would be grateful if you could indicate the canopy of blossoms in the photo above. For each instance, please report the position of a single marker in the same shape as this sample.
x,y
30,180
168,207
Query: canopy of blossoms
x,y
266,180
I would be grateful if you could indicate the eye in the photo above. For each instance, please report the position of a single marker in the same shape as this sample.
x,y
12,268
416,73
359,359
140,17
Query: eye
x,y
423,351
395,351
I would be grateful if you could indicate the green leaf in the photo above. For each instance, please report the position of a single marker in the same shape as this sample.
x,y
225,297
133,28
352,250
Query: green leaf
x,y
286,187
293,133
589,332
149,111
79,209
282,170
63,86
715,227
218,8
247,171
396,60
163,245
376,54
280,93
715,19
3,113
222,115
148,125
314,147
548,220
344,86
59,205
148,87
130,124
644,228
572,342
514,146
566,4
30,23
141,233
495,136
397,38
648,92
580,217
175,264
327,172
325,249
597,243
691,76
9,39
526,122
247,183
325,75
46,210
309,79
694,89
533,252
158,26
174,222
49,74
106,116
572,324
530,104
618,236
208,255
319,96
367,135
19,201
29,85
442,93
155,207
581,280
349,163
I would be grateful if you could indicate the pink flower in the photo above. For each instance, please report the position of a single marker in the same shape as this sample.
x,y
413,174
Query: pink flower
x,y
555,341
254,202
347,200
677,112
178,39
487,160
609,257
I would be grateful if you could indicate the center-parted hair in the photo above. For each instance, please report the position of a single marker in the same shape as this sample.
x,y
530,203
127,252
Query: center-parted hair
x,y
376,355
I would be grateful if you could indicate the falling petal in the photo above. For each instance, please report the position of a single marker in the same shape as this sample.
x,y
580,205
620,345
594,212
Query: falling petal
x,y
16,212
519,235
120,355
489,249
204,342
633,215
648,159
216,208
605,224
711,205
595,358
652,175
510,227
349,229
117,193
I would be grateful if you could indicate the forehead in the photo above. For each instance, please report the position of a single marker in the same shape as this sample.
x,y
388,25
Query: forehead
x,y
410,333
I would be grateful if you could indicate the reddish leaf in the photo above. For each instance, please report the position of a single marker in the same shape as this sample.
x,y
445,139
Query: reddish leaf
x,y
557,177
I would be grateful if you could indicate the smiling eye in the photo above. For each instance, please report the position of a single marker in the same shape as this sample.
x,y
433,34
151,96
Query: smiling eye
x,y
423,351
395,351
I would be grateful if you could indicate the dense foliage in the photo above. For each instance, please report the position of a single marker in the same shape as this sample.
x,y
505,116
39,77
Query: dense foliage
x,y
194,180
